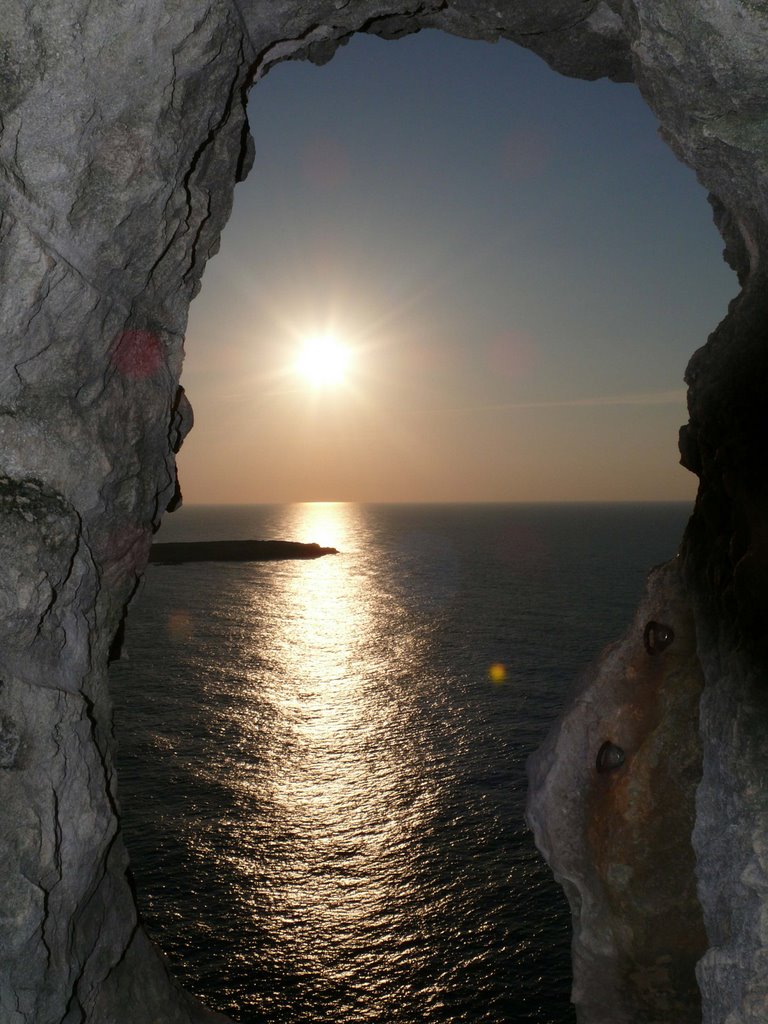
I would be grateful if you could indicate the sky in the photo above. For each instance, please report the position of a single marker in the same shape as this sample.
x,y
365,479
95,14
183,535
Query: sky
x,y
518,267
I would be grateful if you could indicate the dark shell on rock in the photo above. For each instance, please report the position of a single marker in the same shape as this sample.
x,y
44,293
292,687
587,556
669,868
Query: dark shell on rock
x,y
657,637
609,757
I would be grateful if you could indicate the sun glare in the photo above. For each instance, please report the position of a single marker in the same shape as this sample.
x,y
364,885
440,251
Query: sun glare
x,y
323,360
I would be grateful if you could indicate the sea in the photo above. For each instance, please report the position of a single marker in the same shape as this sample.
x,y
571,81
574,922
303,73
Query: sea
x,y
322,763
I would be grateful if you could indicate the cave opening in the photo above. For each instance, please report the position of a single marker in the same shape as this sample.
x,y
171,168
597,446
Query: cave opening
x,y
123,134
197,841
519,262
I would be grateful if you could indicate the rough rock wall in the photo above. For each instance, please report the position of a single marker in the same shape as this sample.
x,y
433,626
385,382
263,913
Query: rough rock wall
x,y
122,133
612,804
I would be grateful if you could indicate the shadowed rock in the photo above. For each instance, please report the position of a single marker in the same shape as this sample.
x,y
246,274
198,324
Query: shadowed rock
x,y
612,804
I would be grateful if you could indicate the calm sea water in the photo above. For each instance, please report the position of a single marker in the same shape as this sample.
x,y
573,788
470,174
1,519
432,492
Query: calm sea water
x,y
322,787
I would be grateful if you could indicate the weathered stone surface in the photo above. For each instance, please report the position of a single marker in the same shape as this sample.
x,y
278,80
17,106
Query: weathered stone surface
x,y
122,134
611,803
9,742
731,841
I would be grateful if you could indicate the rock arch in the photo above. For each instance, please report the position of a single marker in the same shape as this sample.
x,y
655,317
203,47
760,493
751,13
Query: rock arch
x,y
122,134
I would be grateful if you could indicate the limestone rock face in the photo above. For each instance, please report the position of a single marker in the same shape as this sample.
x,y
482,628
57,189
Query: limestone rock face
x,y
122,134
611,803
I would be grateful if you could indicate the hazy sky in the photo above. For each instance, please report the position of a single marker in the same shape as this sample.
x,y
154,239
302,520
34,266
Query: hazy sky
x,y
519,265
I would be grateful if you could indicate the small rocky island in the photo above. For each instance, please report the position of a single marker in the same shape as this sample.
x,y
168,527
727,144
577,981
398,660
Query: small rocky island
x,y
235,551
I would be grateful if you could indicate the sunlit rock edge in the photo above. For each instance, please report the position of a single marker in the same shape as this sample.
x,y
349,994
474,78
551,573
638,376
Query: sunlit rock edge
x,y
123,132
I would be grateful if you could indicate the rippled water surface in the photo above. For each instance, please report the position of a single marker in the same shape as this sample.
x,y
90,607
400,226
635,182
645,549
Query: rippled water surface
x,y
322,787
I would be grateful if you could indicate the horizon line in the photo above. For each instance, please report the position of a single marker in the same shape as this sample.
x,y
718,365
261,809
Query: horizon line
x,y
444,501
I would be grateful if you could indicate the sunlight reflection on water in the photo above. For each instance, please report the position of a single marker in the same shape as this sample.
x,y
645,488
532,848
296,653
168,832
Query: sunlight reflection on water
x,y
323,781
342,774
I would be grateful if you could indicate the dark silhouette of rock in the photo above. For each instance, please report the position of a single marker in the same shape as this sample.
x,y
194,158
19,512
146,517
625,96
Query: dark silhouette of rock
x,y
235,551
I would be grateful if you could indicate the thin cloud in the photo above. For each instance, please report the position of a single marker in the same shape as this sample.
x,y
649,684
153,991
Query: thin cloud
x,y
673,397
647,398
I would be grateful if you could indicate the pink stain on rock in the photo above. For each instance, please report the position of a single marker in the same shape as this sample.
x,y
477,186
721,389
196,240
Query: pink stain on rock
x,y
137,354
128,540
123,550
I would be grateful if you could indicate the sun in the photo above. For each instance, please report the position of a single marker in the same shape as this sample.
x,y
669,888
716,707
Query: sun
x,y
323,360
